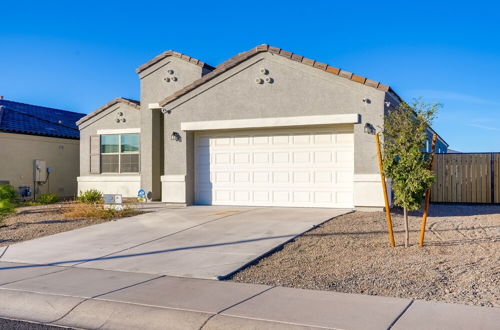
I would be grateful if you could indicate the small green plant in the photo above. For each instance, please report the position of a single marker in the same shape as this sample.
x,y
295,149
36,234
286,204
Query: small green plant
x,y
7,192
91,196
405,160
6,208
48,199
7,198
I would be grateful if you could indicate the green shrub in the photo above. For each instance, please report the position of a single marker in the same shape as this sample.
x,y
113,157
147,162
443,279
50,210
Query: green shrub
x,y
91,196
7,192
6,207
47,199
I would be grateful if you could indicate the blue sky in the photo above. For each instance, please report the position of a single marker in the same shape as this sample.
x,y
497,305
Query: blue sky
x,y
78,55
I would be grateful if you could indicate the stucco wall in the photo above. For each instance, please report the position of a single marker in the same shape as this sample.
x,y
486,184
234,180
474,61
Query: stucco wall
x,y
61,155
125,184
154,89
298,90
105,120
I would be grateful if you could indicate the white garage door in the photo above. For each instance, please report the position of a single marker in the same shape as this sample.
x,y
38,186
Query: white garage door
x,y
300,167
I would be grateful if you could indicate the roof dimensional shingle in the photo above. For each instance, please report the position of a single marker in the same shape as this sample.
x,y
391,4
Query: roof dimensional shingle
x,y
24,118
167,53
133,103
241,57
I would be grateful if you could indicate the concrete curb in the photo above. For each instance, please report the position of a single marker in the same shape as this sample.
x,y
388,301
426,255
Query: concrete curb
x,y
35,307
74,312
92,313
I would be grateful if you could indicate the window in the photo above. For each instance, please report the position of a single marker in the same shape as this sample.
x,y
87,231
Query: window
x,y
120,153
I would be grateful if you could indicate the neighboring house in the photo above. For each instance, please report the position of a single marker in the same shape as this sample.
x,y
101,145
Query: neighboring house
x,y
39,148
267,128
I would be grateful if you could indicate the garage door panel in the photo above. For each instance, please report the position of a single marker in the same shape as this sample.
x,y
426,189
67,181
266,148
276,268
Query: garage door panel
x,y
281,178
301,167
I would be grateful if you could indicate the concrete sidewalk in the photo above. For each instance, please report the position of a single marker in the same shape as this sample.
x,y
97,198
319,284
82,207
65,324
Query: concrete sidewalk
x,y
93,298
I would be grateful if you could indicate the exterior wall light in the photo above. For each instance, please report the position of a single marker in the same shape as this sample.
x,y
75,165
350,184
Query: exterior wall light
x,y
175,137
369,129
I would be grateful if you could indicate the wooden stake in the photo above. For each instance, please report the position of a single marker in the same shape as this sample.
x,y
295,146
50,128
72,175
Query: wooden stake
x,y
384,189
427,194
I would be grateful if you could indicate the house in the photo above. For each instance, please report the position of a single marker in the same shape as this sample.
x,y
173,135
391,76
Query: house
x,y
266,127
39,148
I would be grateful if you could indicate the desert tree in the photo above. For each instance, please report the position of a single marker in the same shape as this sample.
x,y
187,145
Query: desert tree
x,y
405,160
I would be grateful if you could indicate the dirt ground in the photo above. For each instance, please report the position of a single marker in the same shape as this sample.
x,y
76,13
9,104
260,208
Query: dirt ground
x,y
31,222
460,262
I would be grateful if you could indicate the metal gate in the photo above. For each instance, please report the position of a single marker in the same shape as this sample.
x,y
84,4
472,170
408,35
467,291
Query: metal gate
x,y
467,178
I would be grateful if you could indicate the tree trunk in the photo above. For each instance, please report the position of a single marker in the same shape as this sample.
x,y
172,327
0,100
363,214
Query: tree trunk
x,y
407,234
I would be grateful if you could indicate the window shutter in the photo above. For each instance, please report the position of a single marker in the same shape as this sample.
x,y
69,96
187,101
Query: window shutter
x,y
95,154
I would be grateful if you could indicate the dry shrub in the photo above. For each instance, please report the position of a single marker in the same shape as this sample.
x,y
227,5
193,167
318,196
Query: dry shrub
x,y
96,211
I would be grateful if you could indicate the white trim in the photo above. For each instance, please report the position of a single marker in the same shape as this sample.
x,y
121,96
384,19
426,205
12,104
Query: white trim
x,y
109,178
173,178
351,118
154,106
118,131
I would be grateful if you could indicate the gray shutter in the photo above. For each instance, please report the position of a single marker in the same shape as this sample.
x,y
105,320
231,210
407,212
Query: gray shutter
x,y
95,154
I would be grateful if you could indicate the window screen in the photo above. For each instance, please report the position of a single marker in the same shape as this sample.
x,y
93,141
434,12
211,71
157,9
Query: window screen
x,y
120,153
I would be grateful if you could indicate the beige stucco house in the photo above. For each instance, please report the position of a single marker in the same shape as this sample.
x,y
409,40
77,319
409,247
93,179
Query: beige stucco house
x,y
39,148
264,128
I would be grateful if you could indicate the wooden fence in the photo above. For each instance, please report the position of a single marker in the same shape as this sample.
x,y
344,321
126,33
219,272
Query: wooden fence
x,y
467,178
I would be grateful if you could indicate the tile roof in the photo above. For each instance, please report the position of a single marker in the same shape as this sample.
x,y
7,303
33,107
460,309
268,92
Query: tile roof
x,y
24,118
133,103
176,54
241,57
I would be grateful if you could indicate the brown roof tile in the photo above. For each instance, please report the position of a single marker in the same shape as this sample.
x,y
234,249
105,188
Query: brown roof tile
x,y
321,66
383,87
273,50
286,53
345,74
237,59
358,79
332,69
371,83
308,61
297,58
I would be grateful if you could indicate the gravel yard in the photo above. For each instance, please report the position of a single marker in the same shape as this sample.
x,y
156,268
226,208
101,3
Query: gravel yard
x,y
460,262
31,222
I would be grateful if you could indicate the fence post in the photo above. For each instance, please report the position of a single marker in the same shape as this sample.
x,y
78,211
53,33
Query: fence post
x,y
492,177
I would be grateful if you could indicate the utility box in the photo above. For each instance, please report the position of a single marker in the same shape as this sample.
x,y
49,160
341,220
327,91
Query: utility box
x,y
39,170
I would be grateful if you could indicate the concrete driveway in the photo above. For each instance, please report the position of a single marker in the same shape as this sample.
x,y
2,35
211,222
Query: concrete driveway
x,y
197,241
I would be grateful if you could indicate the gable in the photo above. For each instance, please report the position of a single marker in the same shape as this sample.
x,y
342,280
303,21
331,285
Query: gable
x,y
166,77
292,89
119,113
243,57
